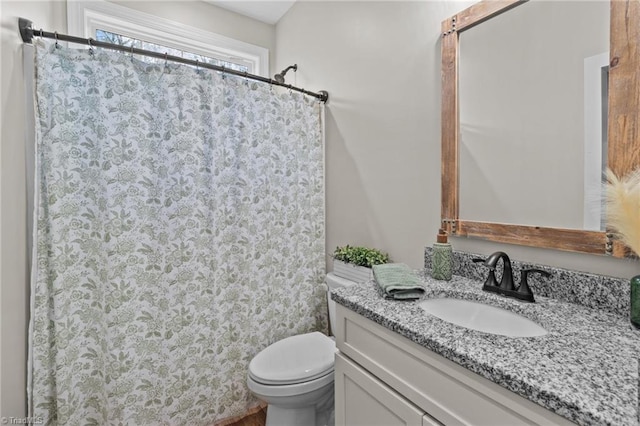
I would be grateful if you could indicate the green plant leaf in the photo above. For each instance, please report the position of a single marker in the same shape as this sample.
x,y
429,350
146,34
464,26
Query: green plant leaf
x,y
360,256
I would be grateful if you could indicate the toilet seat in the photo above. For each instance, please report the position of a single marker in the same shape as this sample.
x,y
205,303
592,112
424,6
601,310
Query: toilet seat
x,y
296,389
294,360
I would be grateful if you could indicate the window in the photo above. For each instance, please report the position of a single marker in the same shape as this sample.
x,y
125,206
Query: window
x,y
112,23
109,37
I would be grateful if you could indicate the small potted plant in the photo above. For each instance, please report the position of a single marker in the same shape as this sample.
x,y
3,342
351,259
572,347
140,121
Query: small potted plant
x,y
354,263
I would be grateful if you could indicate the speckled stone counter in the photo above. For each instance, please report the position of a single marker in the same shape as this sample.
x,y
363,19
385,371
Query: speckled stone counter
x,y
585,369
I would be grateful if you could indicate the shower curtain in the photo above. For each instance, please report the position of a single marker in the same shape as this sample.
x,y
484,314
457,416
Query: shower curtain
x,y
179,230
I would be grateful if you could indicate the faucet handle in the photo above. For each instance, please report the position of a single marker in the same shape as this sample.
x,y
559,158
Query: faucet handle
x,y
484,263
491,278
524,288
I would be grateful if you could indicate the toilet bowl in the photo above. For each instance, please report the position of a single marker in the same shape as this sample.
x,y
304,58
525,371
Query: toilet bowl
x,y
294,376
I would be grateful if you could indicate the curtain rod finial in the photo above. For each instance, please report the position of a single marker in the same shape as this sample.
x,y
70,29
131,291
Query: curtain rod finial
x,y
25,29
324,96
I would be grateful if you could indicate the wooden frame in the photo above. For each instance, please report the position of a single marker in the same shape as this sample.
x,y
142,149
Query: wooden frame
x,y
623,131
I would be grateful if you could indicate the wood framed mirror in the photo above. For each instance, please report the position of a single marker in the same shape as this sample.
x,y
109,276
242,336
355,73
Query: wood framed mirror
x,y
622,133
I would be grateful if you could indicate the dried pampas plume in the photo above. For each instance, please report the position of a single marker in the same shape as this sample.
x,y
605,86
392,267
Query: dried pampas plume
x,y
623,208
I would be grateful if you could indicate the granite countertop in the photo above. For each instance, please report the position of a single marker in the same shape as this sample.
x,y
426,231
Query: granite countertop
x,y
585,369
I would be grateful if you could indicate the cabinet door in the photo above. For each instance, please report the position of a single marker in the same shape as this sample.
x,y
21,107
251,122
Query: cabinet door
x,y
363,400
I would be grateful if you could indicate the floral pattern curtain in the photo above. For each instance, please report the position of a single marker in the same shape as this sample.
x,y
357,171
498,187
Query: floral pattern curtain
x,y
180,230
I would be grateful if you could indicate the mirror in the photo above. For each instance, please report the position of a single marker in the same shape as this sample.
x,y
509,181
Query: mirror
x,y
530,135
524,124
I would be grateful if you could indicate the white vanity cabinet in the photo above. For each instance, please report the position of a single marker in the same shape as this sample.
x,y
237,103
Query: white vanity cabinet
x,y
383,378
366,401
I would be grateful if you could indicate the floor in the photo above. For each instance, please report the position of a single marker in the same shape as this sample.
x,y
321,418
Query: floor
x,y
254,417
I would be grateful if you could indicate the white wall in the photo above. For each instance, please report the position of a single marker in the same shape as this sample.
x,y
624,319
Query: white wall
x,y
51,16
13,200
380,62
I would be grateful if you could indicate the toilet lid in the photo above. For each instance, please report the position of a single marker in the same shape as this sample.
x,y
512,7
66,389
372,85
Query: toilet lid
x,y
293,360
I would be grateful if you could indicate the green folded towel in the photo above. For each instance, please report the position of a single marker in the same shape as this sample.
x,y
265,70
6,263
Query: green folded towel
x,y
398,281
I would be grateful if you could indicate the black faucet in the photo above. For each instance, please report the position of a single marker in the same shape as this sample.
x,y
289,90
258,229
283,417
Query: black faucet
x,y
506,286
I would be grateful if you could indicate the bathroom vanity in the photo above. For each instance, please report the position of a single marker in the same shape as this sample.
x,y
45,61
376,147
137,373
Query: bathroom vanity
x,y
381,378
400,365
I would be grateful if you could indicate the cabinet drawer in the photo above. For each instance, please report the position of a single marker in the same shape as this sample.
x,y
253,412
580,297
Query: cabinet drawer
x,y
445,390
363,400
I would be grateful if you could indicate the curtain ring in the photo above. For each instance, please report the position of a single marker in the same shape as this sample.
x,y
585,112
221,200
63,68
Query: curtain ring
x,y
246,78
41,33
165,58
89,40
56,36
197,65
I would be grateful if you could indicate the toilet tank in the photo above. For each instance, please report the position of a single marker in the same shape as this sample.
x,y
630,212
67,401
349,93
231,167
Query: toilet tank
x,y
334,281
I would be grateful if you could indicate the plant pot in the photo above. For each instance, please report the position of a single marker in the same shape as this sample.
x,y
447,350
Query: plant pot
x,y
352,272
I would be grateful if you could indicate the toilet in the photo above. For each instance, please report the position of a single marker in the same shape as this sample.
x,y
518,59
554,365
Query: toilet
x,y
294,376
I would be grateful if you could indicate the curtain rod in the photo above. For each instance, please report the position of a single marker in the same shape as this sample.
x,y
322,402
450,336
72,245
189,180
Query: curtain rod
x,y
27,33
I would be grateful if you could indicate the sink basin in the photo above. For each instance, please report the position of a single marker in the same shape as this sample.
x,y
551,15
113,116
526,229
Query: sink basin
x,y
481,317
